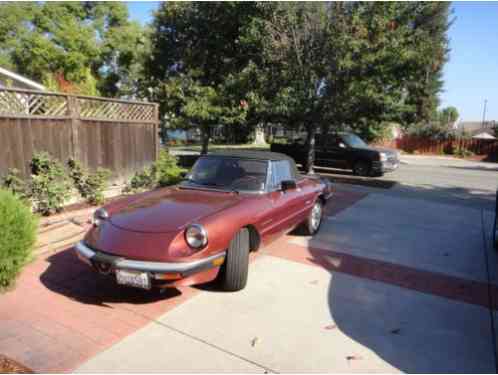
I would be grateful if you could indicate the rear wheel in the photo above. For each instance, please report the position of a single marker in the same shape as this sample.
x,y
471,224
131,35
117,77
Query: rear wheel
x,y
362,168
314,220
236,267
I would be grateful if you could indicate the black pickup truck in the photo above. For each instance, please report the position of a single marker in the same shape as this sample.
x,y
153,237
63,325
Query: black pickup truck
x,y
344,151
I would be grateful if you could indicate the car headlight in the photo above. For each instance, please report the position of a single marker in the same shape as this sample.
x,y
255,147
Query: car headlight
x,y
196,236
383,156
100,215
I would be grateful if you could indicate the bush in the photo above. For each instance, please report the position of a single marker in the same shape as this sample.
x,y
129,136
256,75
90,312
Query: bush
x,y
15,184
462,152
141,181
18,227
50,186
164,172
166,169
90,186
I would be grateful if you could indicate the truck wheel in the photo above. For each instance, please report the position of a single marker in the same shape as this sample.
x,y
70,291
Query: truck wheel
x,y
314,219
362,168
235,269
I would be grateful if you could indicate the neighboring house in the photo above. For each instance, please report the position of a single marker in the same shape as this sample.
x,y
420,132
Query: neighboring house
x,y
475,128
13,80
484,135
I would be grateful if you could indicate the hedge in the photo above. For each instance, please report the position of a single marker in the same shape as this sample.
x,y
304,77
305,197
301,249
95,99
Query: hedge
x,y
18,228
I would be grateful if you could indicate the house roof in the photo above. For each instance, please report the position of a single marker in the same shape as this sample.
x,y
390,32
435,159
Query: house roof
x,y
476,127
484,135
20,80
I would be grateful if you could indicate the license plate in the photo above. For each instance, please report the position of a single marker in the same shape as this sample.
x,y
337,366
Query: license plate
x,y
131,278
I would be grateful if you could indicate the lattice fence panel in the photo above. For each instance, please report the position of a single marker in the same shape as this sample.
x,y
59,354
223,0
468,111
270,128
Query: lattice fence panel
x,y
113,110
34,104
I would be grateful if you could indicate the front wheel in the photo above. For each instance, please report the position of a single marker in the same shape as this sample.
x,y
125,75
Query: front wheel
x,y
362,168
236,267
314,220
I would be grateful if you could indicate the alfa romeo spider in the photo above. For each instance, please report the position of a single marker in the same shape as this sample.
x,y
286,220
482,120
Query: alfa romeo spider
x,y
231,203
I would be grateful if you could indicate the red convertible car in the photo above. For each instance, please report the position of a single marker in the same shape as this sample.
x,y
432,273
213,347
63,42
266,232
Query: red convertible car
x,y
231,203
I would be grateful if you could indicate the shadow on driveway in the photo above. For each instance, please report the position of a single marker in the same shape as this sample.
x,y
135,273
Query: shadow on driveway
x,y
413,332
68,276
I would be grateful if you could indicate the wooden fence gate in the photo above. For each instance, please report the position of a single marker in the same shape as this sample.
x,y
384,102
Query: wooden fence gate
x,y
119,135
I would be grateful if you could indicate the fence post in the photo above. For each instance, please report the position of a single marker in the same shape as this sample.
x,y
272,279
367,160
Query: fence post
x,y
156,130
73,110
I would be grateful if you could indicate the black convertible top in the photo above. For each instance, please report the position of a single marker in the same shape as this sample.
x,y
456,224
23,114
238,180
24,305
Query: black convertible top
x,y
250,154
256,155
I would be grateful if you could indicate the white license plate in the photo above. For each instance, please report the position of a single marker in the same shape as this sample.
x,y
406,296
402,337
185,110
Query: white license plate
x,y
132,278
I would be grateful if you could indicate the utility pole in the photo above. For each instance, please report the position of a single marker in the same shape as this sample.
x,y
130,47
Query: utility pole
x,y
484,112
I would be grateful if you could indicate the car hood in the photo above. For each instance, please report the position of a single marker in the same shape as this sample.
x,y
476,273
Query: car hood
x,y
389,151
169,210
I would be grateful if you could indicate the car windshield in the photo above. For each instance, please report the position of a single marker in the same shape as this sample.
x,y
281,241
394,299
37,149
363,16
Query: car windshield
x,y
353,141
229,173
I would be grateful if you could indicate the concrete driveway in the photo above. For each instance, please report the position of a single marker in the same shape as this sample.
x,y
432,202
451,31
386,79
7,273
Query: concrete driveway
x,y
397,280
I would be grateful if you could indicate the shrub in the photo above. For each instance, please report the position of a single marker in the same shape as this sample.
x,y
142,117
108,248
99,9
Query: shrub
x,y
15,184
141,180
166,169
50,186
18,227
90,186
462,152
164,172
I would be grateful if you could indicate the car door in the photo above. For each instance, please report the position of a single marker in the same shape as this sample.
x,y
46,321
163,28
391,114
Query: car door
x,y
332,152
285,204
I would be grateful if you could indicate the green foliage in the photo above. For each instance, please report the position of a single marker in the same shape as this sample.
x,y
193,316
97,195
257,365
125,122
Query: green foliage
x,y
164,172
90,186
462,152
18,227
50,186
195,57
93,45
166,169
15,184
143,180
446,116
431,130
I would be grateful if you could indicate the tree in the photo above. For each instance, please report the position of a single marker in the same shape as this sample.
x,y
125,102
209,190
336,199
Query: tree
x,y
295,62
448,115
429,22
195,59
89,46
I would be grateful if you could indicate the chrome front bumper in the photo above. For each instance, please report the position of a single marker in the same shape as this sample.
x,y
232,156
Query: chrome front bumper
x,y
385,166
93,257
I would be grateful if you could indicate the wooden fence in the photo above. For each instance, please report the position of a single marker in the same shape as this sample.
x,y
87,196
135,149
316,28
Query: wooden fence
x,y
116,134
482,147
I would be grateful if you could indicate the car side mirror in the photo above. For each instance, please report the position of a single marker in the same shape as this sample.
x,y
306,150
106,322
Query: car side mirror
x,y
288,185
342,145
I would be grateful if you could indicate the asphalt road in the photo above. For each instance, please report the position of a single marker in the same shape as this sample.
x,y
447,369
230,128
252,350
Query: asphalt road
x,y
439,179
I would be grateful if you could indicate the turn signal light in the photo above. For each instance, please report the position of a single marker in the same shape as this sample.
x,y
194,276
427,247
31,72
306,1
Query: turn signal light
x,y
218,262
168,276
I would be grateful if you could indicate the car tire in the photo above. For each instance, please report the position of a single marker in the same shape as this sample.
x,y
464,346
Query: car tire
x,y
314,219
362,168
236,267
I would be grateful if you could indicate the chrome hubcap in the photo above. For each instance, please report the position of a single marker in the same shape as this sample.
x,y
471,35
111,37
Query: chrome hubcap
x,y
316,216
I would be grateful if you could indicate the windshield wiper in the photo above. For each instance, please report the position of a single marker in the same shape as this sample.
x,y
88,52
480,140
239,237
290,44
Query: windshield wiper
x,y
214,185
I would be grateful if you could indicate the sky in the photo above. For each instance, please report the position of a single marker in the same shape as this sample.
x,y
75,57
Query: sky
x,y
471,75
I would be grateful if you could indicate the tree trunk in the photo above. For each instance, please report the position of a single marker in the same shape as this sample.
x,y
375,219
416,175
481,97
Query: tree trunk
x,y
205,136
310,149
